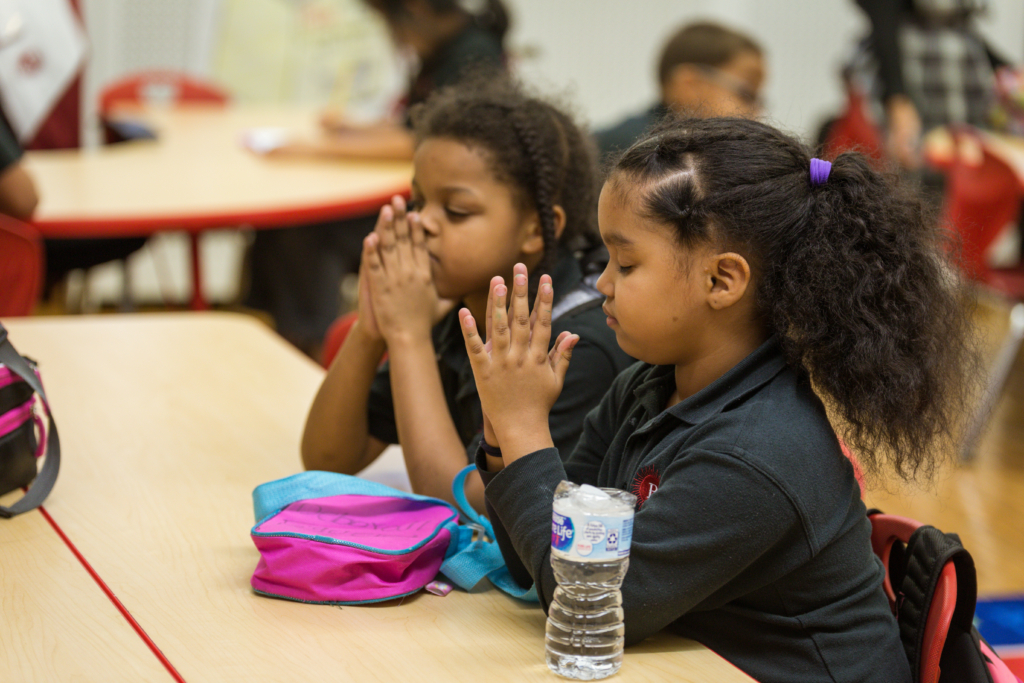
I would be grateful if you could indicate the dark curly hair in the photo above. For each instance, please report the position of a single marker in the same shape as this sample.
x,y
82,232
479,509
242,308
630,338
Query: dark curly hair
x,y
852,275
530,144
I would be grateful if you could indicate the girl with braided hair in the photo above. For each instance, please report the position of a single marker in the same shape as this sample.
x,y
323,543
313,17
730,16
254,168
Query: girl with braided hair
x,y
500,178
749,280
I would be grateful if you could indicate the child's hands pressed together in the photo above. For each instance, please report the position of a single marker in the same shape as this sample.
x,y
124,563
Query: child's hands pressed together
x,y
396,270
517,377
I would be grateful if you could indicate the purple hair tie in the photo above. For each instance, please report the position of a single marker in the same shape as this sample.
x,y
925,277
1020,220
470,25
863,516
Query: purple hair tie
x,y
819,171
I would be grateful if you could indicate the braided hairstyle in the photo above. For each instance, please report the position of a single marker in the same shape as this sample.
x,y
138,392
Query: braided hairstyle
x,y
530,144
852,275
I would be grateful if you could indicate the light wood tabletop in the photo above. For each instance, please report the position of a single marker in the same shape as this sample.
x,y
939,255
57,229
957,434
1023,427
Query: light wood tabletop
x,y
167,424
197,175
57,623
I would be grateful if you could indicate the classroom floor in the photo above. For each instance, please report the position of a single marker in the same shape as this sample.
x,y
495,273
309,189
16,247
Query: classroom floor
x,y
982,500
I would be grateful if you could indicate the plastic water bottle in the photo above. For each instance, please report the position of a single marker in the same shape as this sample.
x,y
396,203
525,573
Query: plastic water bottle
x,y
591,530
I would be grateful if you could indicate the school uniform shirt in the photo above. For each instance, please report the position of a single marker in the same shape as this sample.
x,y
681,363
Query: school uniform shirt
x,y
596,360
749,536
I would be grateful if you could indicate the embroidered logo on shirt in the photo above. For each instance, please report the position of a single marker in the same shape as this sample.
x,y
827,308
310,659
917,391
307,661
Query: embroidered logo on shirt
x,y
645,483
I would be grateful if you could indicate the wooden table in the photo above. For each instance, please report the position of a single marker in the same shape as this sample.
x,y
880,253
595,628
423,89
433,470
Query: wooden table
x,y
168,422
197,176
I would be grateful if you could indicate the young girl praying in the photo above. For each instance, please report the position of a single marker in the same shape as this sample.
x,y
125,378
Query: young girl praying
x,y
749,280
500,178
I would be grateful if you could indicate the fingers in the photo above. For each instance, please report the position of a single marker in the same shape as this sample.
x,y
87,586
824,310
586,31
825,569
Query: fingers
x,y
553,353
474,344
418,240
500,339
371,256
541,318
536,301
385,231
519,312
563,354
401,224
495,281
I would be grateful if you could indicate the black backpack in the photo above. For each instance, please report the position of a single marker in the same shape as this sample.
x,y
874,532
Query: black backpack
x,y
915,562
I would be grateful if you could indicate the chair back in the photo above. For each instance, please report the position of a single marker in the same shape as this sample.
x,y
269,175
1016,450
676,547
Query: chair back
x,y
21,267
854,130
160,87
886,532
983,195
335,337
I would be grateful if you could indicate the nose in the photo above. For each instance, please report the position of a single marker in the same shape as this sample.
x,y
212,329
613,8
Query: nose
x,y
604,282
427,220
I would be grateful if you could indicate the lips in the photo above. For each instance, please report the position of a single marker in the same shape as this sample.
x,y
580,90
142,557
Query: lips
x,y
611,318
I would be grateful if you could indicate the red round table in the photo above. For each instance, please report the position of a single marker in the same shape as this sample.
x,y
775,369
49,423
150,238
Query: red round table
x,y
197,176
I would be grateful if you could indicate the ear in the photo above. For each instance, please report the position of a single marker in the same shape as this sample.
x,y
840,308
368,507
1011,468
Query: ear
x,y
726,277
534,241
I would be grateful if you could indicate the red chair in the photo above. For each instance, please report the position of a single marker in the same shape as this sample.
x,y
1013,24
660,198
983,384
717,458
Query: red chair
x,y
982,197
335,337
854,130
886,530
21,267
159,87
162,88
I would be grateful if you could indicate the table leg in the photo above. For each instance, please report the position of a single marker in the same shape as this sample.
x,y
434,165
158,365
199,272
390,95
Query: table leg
x,y
198,301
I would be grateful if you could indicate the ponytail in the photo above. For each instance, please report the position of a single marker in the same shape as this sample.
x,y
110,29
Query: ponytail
x,y
851,275
877,317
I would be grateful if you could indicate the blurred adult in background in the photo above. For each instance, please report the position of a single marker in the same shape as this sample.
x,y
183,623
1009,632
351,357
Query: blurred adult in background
x,y
445,38
705,69
928,66
296,272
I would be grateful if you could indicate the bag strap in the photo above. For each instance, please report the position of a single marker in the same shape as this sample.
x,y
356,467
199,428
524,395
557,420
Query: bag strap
x,y
582,297
480,558
927,553
44,481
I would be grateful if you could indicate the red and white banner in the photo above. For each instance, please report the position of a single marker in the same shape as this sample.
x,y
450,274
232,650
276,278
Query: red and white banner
x,y
42,48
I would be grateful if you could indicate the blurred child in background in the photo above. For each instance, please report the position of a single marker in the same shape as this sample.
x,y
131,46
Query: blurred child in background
x,y
704,70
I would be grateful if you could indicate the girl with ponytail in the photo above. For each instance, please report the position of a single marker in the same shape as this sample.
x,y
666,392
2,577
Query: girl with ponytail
x,y
753,283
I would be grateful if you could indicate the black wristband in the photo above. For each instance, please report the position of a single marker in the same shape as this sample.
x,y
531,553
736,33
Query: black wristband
x,y
490,450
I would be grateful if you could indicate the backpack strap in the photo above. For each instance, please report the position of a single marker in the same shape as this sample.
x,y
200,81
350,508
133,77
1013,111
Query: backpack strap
x,y
582,297
927,553
481,557
44,481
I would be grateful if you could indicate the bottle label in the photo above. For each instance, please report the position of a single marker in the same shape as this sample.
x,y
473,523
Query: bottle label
x,y
590,538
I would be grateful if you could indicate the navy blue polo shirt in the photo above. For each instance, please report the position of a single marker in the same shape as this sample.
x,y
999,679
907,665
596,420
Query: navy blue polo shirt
x,y
750,535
